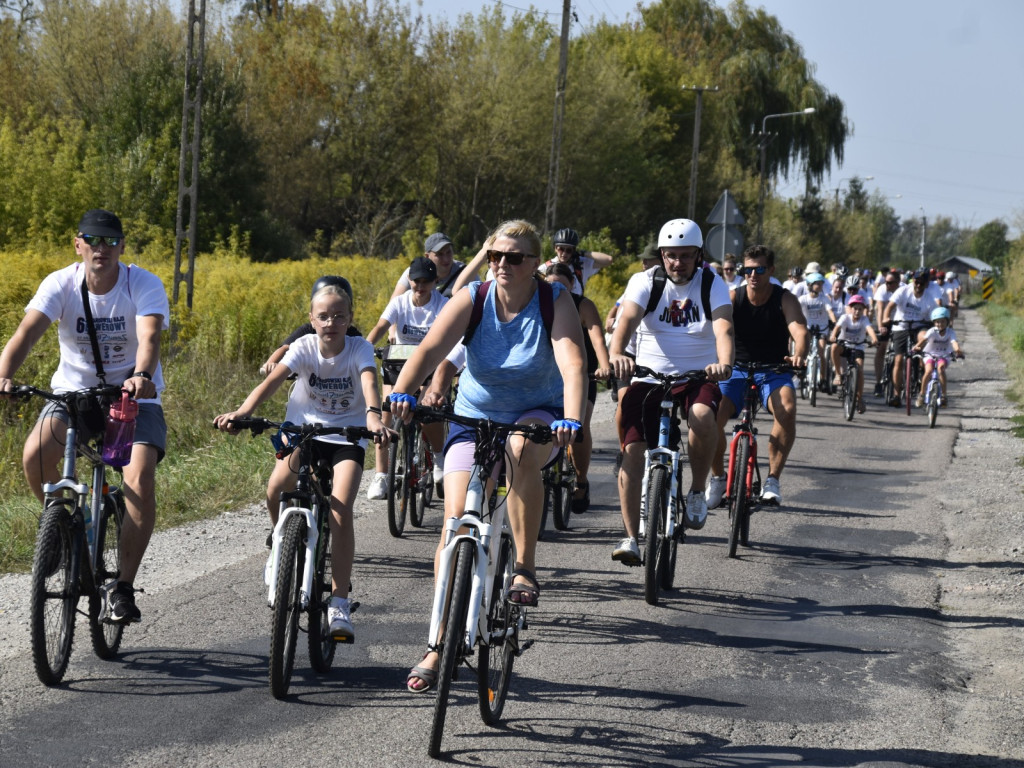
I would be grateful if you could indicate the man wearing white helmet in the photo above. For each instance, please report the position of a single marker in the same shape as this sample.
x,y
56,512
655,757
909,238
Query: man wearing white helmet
x,y
953,289
688,326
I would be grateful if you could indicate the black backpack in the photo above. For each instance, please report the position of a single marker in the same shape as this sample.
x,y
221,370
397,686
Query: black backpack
x,y
658,288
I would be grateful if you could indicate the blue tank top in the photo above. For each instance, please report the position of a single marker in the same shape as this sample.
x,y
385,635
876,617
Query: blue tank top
x,y
510,367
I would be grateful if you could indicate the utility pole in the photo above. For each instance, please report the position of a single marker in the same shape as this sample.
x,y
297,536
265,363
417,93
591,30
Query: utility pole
x,y
556,129
691,205
924,223
188,160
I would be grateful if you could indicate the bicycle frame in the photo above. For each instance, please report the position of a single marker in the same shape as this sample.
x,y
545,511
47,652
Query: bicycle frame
x,y
745,430
663,454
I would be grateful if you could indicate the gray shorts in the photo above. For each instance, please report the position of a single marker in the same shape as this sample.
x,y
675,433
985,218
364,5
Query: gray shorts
x,y
150,427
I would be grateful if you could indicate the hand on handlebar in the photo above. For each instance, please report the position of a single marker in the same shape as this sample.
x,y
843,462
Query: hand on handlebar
x,y
719,372
622,367
563,431
222,422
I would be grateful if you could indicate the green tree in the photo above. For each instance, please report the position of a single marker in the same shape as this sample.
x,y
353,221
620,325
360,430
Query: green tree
x,y
991,244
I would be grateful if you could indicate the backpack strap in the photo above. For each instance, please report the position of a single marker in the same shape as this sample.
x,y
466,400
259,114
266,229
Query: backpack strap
x,y
478,312
545,295
706,280
93,341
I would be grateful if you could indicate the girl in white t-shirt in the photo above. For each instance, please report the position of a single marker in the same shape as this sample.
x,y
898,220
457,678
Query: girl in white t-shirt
x,y
853,329
336,386
407,318
939,344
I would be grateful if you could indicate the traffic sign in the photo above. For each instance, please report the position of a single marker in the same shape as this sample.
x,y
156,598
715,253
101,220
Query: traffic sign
x,y
722,240
726,211
988,287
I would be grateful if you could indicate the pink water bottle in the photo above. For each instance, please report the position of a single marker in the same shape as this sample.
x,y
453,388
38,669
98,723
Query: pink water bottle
x,y
120,432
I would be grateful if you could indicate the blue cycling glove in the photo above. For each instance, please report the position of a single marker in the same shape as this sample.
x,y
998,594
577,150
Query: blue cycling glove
x,y
398,397
566,424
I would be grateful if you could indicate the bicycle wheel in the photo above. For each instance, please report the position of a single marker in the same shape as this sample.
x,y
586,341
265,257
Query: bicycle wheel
x,y
452,650
849,391
908,382
566,478
657,503
498,651
285,626
812,379
670,546
888,387
54,593
826,372
423,482
321,644
398,488
933,403
552,496
106,637
738,494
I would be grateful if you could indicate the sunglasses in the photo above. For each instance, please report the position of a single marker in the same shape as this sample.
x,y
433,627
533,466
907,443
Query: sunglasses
x,y
753,270
510,257
95,240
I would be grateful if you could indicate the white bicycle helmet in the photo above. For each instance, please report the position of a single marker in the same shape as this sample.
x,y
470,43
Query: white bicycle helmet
x,y
951,275
680,232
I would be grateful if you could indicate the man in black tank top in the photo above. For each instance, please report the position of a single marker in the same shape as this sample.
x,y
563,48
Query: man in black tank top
x,y
765,317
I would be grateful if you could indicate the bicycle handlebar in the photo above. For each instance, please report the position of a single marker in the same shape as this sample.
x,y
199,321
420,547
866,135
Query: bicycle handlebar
x,y
669,379
258,425
26,390
755,367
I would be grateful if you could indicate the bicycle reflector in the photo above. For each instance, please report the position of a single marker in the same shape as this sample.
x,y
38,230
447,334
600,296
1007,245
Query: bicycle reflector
x,y
280,441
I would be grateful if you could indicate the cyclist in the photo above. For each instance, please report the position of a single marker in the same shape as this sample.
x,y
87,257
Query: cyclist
x,y
818,313
438,248
307,328
766,317
938,343
882,297
952,288
518,369
336,386
732,280
801,288
410,314
794,279
128,310
678,335
598,367
908,311
850,332
838,296
584,264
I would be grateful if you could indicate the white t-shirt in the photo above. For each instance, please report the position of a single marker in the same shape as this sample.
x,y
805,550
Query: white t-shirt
x,y
838,303
939,345
676,337
137,293
409,322
587,268
328,391
446,283
801,288
853,333
815,310
912,309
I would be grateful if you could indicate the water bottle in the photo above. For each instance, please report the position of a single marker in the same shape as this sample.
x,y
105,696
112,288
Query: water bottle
x,y
120,432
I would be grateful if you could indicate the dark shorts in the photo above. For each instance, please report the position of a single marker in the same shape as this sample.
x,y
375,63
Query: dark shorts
x,y
592,392
736,387
850,351
335,453
150,427
641,407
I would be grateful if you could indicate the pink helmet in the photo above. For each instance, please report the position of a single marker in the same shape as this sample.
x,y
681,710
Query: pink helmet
x,y
856,301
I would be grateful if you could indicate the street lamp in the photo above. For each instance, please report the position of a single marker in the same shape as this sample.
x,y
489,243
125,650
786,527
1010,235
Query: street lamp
x,y
849,178
764,148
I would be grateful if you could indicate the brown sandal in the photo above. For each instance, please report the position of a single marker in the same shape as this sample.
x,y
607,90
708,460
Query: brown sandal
x,y
426,674
524,594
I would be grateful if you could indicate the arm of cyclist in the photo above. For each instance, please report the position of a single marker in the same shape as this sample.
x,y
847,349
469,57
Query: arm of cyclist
x,y
263,391
436,393
725,344
371,394
147,357
629,320
592,326
797,329
872,336
272,361
444,334
30,330
567,345
379,331
471,271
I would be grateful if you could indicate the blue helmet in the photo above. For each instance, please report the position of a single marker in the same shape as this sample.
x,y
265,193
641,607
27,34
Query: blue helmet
x,y
939,313
814,277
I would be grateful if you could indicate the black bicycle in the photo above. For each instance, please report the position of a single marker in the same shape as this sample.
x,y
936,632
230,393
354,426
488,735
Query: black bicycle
x,y
77,545
299,577
559,487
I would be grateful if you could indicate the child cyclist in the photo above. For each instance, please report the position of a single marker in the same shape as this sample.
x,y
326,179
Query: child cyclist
x,y
938,344
850,331
337,387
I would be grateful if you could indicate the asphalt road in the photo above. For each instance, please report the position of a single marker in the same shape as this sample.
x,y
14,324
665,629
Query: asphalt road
x,y
827,643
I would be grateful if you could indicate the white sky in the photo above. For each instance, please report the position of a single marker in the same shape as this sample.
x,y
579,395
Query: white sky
x,y
934,90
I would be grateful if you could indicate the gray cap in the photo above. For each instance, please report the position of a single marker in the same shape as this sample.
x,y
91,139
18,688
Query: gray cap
x,y
436,242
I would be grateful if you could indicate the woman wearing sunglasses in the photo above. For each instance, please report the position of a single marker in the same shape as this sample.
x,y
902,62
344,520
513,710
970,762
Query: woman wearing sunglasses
x,y
517,370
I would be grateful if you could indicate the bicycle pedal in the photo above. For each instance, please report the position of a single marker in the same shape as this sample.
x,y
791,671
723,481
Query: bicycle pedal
x,y
353,605
524,647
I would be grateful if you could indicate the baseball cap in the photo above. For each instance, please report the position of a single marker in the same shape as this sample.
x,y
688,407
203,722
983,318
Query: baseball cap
x,y
650,252
422,268
812,266
436,242
100,222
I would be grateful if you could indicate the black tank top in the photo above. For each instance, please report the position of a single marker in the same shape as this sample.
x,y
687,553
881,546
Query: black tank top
x,y
762,334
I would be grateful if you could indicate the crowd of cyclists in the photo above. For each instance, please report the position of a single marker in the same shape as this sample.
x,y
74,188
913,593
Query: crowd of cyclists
x,y
527,347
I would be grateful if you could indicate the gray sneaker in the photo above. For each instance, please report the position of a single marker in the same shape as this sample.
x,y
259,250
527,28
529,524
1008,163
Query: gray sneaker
x,y
696,510
340,621
628,552
770,493
715,492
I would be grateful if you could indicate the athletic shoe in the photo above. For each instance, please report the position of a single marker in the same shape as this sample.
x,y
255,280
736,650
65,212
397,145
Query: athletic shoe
x,y
770,493
340,621
715,492
878,389
122,605
920,400
439,475
696,510
378,489
628,552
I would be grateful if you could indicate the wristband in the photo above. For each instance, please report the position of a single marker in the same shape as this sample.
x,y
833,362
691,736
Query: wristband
x,y
141,375
398,397
371,409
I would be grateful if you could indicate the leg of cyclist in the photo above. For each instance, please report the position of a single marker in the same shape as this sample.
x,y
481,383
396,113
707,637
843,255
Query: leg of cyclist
x,y
638,416
283,478
860,383
837,362
348,470
726,410
581,454
140,504
378,487
782,405
929,364
43,452
941,363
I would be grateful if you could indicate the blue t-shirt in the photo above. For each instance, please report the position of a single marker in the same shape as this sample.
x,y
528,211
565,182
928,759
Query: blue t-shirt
x,y
510,367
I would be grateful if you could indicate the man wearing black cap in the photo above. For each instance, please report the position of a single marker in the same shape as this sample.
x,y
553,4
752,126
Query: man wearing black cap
x,y
129,309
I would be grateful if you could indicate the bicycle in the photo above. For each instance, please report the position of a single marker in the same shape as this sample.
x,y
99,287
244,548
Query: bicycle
x,y
913,368
77,543
298,574
559,487
934,396
888,366
848,382
743,478
410,476
663,504
810,381
474,577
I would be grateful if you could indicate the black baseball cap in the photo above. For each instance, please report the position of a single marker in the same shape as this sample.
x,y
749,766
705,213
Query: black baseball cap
x,y
422,268
100,222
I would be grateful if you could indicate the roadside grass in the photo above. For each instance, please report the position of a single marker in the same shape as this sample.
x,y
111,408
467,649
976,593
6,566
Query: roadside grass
x,y
1005,323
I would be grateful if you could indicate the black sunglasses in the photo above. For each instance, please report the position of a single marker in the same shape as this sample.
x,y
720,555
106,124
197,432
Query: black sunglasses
x,y
510,257
753,270
94,240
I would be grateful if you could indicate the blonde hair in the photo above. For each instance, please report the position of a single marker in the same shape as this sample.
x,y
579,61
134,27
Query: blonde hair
x,y
518,229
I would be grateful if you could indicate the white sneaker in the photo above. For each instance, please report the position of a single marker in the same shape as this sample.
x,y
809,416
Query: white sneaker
x,y
340,621
439,474
696,510
628,552
770,493
715,492
378,487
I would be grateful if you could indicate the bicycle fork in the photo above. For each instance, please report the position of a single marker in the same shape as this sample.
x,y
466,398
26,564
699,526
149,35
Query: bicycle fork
x,y
312,537
739,433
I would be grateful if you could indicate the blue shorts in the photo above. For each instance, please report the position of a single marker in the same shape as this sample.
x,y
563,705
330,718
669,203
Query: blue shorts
x,y
150,427
735,389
